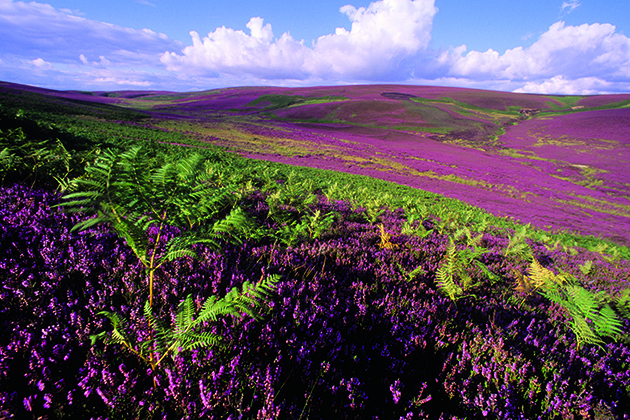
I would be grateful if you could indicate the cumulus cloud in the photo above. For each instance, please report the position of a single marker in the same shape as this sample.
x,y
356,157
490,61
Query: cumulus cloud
x,y
41,64
381,34
385,31
232,51
387,41
560,85
560,55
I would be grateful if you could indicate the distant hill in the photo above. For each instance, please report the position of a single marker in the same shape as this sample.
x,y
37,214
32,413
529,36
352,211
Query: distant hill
x,y
554,161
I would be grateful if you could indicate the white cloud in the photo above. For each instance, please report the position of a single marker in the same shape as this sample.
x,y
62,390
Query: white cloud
x,y
125,82
41,64
381,34
37,34
231,51
387,42
569,52
562,86
61,35
571,5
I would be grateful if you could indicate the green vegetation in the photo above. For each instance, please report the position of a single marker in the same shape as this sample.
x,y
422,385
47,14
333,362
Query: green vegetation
x,y
101,132
276,101
166,202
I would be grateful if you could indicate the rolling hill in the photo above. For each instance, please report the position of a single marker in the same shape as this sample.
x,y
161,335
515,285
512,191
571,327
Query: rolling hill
x,y
557,162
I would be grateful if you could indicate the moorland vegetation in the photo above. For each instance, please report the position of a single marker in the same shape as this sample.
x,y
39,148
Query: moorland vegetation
x,y
149,273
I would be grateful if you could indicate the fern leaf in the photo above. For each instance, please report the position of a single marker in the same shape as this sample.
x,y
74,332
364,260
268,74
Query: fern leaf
x,y
445,274
233,223
176,253
622,303
540,276
582,300
494,278
213,308
607,323
88,223
583,331
191,341
418,271
118,335
184,318
161,333
385,239
586,267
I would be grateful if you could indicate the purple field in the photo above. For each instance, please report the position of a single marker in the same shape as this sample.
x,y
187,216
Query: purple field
x,y
167,282
562,166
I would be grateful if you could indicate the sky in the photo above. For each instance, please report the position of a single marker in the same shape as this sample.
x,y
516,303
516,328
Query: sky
x,y
536,46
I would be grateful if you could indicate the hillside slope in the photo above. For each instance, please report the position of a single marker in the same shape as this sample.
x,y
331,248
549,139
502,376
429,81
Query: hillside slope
x,y
557,162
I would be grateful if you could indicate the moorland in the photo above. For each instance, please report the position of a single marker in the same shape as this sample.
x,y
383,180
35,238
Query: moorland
x,y
378,251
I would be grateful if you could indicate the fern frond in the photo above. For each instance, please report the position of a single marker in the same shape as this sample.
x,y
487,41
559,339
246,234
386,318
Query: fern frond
x,y
213,308
582,301
622,303
583,332
161,333
588,320
192,340
418,271
263,288
88,223
233,223
385,239
517,245
462,232
184,318
118,335
494,278
540,275
607,323
586,267
446,273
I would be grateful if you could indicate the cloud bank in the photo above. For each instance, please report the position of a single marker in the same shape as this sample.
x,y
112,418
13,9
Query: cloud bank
x,y
388,41
42,45
567,59
381,34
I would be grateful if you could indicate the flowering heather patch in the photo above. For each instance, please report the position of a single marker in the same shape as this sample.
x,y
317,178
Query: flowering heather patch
x,y
443,140
358,327
602,100
589,149
566,173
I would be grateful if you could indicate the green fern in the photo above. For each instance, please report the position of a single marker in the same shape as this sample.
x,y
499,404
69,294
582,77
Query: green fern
x,y
413,226
622,303
454,267
471,240
132,193
449,269
517,245
187,333
586,267
590,317
317,223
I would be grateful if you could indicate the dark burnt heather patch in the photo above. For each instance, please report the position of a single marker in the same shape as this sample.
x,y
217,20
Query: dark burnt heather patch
x,y
398,96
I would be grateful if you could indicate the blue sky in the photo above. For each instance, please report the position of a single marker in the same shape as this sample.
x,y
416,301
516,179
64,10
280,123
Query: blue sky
x,y
539,46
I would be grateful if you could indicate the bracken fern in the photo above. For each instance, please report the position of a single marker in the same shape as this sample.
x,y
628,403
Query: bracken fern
x,y
590,318
185,334
449,269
